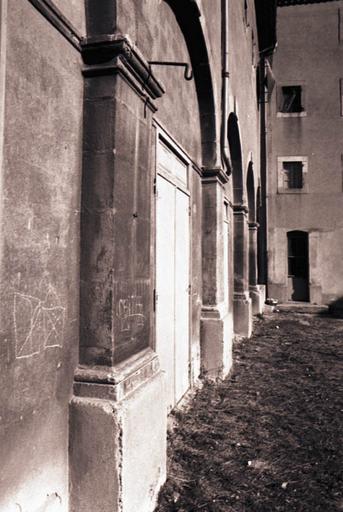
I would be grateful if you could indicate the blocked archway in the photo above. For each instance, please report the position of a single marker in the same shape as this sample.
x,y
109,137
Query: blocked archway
x,y
254,290
188,15
251,193
242,302
236,158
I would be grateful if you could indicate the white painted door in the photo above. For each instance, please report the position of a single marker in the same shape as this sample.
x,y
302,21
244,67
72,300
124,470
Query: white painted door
x,y
172,287
181,294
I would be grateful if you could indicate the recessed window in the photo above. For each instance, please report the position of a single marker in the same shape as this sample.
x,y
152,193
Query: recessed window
x,y
292,173
340,26
290,100
245,13
341,95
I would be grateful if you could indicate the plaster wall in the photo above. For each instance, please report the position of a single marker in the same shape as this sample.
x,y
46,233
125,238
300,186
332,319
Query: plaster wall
x,y
40,175
74,12
152,26
309,54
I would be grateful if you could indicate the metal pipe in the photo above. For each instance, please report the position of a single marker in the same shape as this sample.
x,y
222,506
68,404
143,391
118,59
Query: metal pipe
x,y
224,141
188,74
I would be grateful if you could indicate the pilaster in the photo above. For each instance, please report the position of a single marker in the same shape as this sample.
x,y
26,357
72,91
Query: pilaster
x,y
115,465
242,301
216,328
255,291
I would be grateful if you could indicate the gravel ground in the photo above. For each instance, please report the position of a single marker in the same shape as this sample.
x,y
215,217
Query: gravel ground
x,y
269,437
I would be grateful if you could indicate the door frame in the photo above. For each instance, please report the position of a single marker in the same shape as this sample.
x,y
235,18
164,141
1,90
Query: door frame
x,y
298,233
162,135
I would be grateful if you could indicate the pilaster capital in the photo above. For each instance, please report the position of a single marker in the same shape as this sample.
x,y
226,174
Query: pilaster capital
x,y
214,174
253,225
110,53
240,209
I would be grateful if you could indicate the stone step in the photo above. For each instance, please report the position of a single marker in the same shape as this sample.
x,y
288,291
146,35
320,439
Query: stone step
x,y
303,307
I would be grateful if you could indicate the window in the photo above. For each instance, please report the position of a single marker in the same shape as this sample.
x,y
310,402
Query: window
x,y
245,13
291,101
341,95
292,173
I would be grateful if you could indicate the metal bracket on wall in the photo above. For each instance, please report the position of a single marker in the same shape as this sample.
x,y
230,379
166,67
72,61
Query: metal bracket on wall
x,y
188,74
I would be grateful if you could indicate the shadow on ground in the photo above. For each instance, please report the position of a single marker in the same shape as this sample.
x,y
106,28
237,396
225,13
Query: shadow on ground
x,y
268,438
336,308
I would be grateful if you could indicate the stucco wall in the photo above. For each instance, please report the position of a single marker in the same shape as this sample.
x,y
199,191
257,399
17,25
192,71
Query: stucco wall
x,y
310,54
39,287
74,12
153,28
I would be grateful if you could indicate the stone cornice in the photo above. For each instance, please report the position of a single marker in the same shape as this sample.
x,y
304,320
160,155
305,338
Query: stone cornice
x,y
107,53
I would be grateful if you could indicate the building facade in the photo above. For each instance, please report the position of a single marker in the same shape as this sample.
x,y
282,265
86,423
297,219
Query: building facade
x,y
130,197
305,194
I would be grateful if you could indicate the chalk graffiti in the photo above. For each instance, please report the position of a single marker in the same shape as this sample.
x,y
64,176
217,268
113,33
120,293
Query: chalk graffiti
x,y
130,313
38,323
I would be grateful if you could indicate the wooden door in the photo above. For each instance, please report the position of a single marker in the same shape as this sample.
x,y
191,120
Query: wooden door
x,y
172,284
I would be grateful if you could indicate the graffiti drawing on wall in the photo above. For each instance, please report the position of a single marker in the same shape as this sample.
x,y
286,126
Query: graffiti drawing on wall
x,y
38,322
130,312
131,306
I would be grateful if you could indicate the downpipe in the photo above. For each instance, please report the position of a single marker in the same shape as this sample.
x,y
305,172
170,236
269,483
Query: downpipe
x,y
224,141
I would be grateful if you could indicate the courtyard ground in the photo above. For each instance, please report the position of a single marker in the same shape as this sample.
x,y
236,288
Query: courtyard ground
x,y
269,437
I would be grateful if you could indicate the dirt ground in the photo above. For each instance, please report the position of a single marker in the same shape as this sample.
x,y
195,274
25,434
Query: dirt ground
x,y
269,437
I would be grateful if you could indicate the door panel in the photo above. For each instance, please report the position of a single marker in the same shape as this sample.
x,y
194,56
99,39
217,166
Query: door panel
x,y
165,280
181,295
172,281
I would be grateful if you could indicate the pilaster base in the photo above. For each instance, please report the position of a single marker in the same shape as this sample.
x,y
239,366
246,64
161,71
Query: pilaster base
x,y
118,437
216,334
258,296
242,315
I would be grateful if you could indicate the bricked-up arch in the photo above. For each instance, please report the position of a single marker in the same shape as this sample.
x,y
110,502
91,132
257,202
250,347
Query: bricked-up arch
x,y
188,15
260,266
236,158
253,230
251,193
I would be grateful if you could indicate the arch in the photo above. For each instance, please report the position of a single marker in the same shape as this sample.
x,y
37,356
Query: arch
x,y
236,158
251,193
187,14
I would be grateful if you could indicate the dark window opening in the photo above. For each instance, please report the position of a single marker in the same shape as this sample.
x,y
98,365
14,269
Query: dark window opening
x,y
245,12
293,174
291,100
